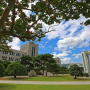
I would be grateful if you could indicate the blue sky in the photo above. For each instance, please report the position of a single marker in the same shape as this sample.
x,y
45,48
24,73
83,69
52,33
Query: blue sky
x,y
67,41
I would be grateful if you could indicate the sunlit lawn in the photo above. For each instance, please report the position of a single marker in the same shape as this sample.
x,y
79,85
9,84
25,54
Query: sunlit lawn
x,y
48,78
43,87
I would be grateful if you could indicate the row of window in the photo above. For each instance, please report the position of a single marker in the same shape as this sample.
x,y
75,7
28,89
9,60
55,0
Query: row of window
x,y
18,54
13,53
10,58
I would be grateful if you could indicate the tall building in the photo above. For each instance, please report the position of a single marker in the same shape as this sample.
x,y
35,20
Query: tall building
x,y
27,49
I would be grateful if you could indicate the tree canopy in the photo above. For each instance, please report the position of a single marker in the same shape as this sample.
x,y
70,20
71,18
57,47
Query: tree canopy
x,y
75,71
15,22
15,68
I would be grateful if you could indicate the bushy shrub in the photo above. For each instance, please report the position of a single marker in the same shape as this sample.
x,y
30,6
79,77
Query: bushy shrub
x,y
86,74
38,72
2,70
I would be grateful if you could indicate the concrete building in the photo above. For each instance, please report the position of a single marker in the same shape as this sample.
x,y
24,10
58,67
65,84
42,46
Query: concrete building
x,y
86,61
70,64
27,49
58,61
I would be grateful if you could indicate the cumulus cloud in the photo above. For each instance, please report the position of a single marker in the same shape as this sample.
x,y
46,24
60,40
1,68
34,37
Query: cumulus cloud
x,y
61,55
67,51
65,60
15,44
76,55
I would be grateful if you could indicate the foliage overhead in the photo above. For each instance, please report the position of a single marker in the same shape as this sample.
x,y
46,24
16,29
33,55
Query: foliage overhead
x,y
47,11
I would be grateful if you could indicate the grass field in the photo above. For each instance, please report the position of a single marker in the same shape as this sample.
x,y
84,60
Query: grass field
x,y
47,78
43,87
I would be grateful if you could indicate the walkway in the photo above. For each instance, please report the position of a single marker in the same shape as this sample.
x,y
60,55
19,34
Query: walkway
x,y
44,82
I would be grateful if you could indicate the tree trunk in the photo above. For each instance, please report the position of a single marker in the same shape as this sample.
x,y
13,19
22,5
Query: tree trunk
x,y
14,76
43,71
75,77
46,73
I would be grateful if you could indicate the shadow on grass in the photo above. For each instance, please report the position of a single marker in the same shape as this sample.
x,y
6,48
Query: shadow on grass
x,y
7,87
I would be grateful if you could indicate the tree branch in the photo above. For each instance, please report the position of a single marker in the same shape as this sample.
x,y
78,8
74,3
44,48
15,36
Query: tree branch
x,y
6,12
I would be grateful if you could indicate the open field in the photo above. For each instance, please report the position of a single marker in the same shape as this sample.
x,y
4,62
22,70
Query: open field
x,y
48,78
43,87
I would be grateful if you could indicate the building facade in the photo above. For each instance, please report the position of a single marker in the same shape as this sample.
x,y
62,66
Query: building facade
x,y
86,61
26,49
70,64
58,61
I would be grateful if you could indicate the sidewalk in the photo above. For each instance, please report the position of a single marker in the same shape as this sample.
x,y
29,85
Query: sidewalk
x,y
46,82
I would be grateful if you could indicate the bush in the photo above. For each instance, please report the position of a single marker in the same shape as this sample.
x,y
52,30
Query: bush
x,y
86,74
62,72
2,70
15,69
38,72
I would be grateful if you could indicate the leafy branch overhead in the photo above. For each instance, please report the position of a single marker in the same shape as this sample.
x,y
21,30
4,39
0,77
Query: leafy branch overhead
x,y
47,11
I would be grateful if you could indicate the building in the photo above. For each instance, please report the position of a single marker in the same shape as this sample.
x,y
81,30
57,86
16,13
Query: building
x,y
86,61
27,49
58,61
70,64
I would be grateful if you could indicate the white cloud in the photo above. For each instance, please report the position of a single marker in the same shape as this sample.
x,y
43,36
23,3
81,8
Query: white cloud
x,y
61,55
65,60
84,44
40,45
68,42
67,51
76,55
15,44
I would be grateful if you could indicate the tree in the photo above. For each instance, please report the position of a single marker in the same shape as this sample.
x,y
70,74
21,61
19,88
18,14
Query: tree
x,y
15,69
25,60
52,66
48,11
6,63
42,60
2,70
75,71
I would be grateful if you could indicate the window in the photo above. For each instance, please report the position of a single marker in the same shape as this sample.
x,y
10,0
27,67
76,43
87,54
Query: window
x,y
5,52
22,54
4,57
33,51
12,53
18,54
17,59
11,58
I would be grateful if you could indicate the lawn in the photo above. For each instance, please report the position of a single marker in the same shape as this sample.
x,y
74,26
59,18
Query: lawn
x,y
48,78
43,87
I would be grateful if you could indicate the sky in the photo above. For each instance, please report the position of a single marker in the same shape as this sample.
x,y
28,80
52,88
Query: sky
x,y
67,41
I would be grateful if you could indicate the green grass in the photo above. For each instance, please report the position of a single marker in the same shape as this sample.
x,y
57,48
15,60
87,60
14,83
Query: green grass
x,y
46,78
43,87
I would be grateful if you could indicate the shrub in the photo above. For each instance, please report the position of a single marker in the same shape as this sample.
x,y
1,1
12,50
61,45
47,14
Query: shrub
x,y
86,74
2,70
15,69
75,71
38,72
